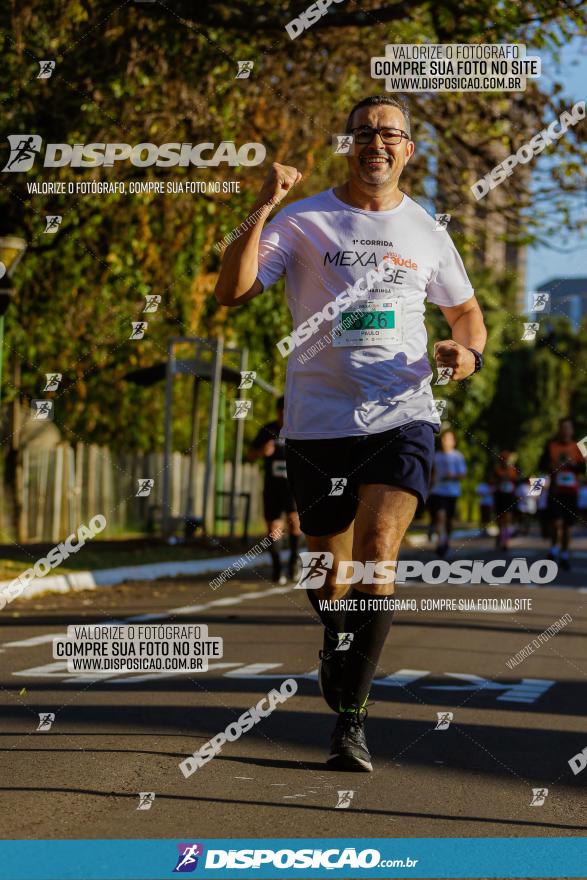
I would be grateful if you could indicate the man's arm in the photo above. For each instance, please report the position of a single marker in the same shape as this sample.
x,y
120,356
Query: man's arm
x,y
237,282
262,446
468,331
264,451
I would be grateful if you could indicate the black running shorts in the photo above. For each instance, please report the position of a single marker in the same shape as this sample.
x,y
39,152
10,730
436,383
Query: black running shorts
x,y
317,471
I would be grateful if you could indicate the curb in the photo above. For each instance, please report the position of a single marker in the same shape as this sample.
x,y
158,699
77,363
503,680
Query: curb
x,y
109,577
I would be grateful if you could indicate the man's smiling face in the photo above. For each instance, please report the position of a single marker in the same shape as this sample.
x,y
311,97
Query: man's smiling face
x,y
377,163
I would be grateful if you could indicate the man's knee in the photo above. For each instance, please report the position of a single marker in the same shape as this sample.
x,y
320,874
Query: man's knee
x,y
378,545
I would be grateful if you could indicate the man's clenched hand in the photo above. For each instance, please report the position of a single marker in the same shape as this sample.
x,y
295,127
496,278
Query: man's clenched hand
x,y
449,353
279,181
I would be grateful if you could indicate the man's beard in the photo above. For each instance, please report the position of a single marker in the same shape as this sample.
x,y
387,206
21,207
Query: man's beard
x,y
378,171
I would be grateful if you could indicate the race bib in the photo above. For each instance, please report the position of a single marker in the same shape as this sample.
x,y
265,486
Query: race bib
x,y
566,479
506,486
372,322
278,469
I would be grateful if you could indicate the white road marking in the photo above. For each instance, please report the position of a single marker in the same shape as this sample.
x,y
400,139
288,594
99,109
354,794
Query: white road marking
x,y
525,691
403,678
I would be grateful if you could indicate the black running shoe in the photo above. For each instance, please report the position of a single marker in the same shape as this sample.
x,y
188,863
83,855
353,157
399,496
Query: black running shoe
x,y
348,747
330,672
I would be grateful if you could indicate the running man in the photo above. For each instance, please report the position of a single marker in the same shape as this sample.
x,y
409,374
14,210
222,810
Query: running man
x,y
563,461
360,259
506,477
448,471
485,491
277,496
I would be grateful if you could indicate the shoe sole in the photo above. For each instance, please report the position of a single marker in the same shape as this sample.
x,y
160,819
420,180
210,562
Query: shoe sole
x,y
349,763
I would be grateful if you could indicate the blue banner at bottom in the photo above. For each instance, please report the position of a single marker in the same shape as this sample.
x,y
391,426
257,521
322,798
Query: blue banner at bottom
x,y
469,857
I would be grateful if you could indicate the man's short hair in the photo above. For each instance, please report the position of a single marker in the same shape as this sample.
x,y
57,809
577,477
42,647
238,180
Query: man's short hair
x,y
376,100
280,402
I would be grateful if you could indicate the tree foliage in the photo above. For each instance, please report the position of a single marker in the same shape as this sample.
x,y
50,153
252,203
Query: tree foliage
x,y
165,72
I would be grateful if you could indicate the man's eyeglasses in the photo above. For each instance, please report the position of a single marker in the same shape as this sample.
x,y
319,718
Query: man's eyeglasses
x,y
364,134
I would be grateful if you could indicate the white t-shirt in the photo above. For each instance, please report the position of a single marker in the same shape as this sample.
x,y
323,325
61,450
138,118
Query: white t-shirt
x,y
376,375
447,465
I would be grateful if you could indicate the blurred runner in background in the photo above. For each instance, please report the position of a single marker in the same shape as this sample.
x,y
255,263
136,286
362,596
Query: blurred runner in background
x,y
448,471
277,496
506,477
484,490
562,459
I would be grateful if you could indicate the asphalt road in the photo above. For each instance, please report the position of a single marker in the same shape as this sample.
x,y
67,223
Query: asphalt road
x,y
115,737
